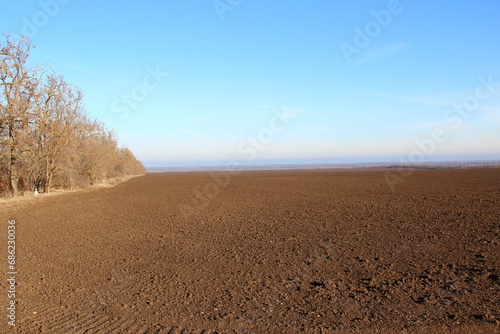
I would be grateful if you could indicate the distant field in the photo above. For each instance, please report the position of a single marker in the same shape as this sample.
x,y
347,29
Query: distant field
x,y
326,166
263,252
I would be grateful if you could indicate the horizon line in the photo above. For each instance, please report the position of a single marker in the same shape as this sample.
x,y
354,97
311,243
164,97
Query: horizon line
x,y
347,165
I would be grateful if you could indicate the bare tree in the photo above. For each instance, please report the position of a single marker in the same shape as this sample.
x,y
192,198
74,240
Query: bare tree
x,y
97,151
59,114
17,91
46,138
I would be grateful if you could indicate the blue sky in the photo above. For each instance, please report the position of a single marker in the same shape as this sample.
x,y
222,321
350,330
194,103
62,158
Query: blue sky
x,y
206,82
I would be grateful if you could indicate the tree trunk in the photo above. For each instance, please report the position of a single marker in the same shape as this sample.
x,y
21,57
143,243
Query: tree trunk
x,y
48,176
13,176
13,172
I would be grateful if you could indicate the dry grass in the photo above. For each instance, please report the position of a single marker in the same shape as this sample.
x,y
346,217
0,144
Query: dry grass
x,y
28,197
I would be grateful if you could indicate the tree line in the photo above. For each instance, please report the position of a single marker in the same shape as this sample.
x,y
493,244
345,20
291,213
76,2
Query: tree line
x,y
46,138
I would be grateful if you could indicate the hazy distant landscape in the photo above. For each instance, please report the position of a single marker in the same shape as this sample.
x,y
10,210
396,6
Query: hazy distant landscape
x,y
435,165
233,166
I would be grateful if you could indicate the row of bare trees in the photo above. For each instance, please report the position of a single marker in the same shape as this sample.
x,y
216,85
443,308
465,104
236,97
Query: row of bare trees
x,y
46,138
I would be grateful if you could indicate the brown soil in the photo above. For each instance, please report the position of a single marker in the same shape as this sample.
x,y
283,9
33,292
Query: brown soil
x,y
270,252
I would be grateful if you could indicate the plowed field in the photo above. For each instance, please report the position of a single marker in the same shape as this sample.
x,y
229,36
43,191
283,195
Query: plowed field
x,y
261,252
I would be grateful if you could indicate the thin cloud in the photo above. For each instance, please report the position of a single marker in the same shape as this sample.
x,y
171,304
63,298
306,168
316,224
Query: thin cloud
x,y
224,133
82,70
316,128
493,113
193,133
377,54
444,100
